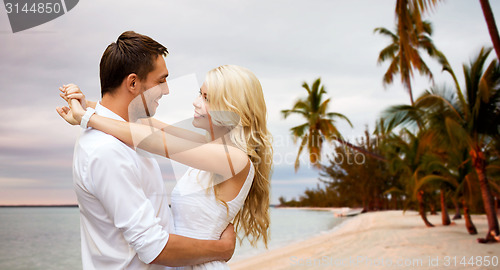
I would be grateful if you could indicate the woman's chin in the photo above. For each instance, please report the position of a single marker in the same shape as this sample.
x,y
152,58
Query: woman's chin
x,y
197,123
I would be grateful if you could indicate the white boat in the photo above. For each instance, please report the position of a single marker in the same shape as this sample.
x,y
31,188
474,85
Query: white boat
x,y
348,212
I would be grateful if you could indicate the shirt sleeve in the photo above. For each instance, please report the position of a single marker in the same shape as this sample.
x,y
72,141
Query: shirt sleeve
x,y
115,182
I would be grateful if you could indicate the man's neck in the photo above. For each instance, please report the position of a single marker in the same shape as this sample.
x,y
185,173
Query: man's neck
x,y
116,105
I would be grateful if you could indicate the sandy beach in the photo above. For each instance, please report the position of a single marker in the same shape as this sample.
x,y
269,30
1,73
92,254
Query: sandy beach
x,y
385,240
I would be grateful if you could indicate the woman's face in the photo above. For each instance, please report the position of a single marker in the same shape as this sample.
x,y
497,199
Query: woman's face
x,y
201,109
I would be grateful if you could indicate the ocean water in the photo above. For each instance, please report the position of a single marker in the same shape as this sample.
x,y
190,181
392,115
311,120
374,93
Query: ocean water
x,y
49,238
39,238
289,225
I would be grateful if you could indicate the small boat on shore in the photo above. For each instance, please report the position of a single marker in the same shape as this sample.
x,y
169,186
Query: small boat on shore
x,y
348,212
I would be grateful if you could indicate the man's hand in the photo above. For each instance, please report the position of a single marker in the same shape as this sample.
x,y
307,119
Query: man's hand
x,y
228,236
67,115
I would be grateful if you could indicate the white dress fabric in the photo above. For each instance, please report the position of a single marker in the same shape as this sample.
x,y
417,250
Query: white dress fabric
x,y
199,215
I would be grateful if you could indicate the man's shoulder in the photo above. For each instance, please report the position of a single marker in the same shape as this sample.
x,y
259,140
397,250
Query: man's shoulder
x,y
95,142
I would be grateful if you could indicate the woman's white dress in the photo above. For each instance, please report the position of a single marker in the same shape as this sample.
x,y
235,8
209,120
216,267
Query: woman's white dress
x,y
197,213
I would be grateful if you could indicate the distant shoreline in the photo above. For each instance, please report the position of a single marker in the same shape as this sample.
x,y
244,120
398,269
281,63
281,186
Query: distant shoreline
x,y
309,208
38,205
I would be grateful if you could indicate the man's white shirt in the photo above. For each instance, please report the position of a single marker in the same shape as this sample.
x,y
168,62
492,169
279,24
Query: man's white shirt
x,y
125,219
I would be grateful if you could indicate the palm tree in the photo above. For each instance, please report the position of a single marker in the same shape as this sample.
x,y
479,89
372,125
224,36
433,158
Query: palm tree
x,y
444,165
411,35
492,27
422,157
406,9
407,155
476,122
319,125
349,177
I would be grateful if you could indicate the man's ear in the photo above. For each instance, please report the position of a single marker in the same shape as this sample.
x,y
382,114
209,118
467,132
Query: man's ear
x,y
132,83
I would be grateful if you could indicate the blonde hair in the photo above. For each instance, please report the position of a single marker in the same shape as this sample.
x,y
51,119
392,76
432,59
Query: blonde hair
x,y
237,90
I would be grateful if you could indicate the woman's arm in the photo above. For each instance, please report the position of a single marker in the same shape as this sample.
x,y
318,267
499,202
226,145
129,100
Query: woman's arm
x,y
173,130
212,157
72,91
91,104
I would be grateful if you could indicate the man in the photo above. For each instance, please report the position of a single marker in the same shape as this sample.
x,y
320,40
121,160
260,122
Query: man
x,y
124,215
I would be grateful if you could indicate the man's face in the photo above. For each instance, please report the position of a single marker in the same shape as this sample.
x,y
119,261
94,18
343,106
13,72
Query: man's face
x,y
151,91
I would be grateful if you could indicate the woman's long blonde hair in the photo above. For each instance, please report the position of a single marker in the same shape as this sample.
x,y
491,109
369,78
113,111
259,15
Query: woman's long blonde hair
x,y
237,90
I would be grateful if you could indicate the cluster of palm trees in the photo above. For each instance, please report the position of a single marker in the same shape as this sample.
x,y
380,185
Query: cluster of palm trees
x,y
449,142
445,144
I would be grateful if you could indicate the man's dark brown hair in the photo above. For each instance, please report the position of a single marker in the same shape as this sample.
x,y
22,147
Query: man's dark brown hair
x,y
131,53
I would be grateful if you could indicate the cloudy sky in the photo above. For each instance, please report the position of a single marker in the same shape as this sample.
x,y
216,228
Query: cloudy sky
x,y
283,42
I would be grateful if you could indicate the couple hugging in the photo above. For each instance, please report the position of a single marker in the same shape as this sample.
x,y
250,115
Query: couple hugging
x,y
125,219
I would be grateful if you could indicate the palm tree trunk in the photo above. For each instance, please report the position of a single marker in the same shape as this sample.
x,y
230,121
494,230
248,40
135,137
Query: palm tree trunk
x,y
498,206
471,228
402,13
496,199
432,206
457,210
479,162
492,27
421,209
445,218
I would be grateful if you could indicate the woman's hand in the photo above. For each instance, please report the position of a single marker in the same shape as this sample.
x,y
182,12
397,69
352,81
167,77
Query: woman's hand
x,y
76,100
70,91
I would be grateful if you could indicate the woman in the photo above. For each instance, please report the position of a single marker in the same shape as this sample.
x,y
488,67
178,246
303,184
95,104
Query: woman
x,y
230,167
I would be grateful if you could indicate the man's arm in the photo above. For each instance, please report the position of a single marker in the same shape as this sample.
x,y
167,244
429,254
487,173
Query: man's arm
x,y
182,251
117,185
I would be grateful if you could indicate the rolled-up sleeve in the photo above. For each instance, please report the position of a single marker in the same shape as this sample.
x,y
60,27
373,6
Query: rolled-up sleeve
x,y
115,182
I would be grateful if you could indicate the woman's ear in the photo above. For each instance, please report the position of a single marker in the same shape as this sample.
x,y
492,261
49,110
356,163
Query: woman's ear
x,y
132,83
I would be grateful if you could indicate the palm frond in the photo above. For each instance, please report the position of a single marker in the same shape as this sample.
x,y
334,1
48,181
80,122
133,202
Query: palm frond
x,y
286,113
401,115
339,115
299,131
386,32
457,134
435,179
301,147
